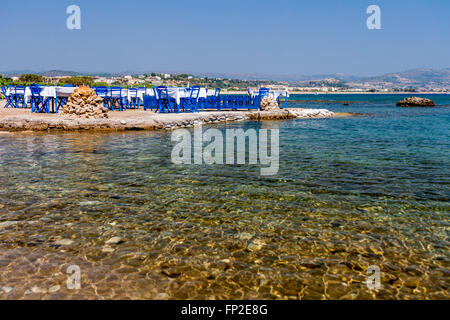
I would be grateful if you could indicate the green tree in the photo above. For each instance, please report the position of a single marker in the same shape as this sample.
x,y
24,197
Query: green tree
x,y
100,84
77,81
31,78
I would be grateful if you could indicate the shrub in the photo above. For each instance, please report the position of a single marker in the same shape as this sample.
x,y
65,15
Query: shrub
x,y
31,78
100,84
77,81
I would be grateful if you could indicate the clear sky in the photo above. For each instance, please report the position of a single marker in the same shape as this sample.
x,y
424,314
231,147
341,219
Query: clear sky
x,y
245,36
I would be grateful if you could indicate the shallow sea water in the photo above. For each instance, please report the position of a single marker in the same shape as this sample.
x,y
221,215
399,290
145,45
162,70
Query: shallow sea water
x,y
350,193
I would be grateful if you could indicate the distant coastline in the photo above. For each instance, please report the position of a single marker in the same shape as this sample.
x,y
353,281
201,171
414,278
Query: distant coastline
x,y
345,92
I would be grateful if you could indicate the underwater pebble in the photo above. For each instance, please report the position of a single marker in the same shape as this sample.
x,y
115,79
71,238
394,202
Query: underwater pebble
x,y
54,289
256,245
64,242
376,251
7,289
114,240
245,236
335,224
162,296
88,203
38,290
7,224
107,249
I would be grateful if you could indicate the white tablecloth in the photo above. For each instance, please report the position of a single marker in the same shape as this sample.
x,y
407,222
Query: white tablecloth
x,y
46,92
178,93
274,94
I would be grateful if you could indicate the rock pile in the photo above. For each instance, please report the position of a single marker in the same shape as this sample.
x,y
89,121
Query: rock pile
x,y
311,113
84,103
415,102
269,104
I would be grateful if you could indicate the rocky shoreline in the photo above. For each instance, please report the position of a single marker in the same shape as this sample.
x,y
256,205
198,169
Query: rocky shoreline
x,y
152,121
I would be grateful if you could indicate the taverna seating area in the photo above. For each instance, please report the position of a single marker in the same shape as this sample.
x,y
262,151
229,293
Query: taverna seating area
x,y
162,99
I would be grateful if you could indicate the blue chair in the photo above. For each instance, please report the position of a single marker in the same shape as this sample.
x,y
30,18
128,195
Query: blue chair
x,y
115,98
103,93
227,101
191,103
19,97
143,91
133,98
9,97
37,101
256,102
240,102
165,102
151,102
213,102
216,99
68,85
203,101
234,102
264,92
61,101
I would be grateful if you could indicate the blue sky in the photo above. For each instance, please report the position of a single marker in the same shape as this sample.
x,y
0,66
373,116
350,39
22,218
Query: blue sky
x,y
246,36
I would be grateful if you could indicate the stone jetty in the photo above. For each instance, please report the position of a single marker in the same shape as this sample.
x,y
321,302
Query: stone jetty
x,y
24,120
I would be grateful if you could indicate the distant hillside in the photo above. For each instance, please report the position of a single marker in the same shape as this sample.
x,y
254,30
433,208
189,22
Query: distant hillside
x,y
55,73
60,73
292,78
416,78
422,77
419,78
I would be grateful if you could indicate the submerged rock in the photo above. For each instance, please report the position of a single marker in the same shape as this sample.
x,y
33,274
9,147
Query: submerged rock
x,y
255,245
54,289
416,102
64,242
107,249
38,290
114,240
7,289
7,224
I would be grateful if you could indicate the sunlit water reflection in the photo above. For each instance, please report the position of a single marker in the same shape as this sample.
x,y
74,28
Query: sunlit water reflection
x,y
350,193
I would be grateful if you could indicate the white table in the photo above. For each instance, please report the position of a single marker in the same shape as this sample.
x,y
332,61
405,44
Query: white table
x,y
174,92
274,94
46,92
178,93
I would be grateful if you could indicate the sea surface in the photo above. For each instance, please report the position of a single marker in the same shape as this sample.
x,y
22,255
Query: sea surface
x,y
352,195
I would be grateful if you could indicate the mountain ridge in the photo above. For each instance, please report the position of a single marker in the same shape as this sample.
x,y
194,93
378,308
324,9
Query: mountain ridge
x,y
417,77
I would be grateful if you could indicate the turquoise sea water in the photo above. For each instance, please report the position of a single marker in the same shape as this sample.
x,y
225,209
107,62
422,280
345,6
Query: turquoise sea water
x,y
350,193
